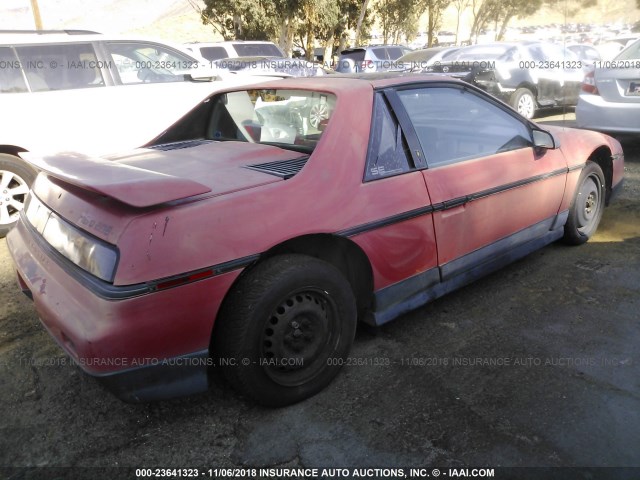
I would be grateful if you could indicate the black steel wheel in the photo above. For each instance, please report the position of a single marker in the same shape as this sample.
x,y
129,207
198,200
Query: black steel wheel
x,y
587,206
285,329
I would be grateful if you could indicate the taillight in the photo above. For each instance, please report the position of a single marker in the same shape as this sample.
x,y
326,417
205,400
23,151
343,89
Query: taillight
x,y
589,84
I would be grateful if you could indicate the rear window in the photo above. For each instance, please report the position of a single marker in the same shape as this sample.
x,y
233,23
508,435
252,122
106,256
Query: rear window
x,y
139,62
387,53
257,50
350,61
292,119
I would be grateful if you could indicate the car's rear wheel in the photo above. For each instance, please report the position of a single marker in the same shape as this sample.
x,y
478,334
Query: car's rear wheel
x,y
285,329
15,181
524,102
587,207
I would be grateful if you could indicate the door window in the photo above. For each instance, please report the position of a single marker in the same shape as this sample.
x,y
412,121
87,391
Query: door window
x,y
149,63
454,124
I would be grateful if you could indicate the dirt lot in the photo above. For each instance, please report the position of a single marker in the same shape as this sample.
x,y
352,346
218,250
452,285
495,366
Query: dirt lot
x,y
562,326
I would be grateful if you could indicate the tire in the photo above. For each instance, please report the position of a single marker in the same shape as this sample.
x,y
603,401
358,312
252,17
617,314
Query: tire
x,y
285,329
524,102
16,178
587,206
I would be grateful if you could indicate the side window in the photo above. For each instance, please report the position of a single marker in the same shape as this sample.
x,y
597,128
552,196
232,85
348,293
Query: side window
x,y
60,67
148,62
11,79
213,53
388,151
454,124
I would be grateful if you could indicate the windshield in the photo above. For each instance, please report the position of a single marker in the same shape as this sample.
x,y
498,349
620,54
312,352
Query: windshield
x,y
292,119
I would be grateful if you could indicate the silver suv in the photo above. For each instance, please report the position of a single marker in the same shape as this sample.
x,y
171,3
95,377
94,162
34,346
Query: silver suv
x,y
235,49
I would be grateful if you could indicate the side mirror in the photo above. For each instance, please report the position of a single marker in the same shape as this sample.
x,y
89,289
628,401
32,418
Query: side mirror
x,y
543,140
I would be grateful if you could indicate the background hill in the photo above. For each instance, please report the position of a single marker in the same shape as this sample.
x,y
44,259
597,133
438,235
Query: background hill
x,y
176,21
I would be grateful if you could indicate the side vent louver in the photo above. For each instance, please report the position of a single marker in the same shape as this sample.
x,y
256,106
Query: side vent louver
x,y
179,145
281,168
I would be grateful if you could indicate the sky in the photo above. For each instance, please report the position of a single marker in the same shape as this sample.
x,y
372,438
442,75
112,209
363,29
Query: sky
x,y
176,21
172,20
103,15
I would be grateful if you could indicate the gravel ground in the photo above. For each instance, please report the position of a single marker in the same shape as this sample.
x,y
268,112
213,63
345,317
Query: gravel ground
x,y
563,322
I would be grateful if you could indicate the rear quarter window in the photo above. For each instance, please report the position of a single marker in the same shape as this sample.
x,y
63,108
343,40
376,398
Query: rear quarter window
x,y
60,67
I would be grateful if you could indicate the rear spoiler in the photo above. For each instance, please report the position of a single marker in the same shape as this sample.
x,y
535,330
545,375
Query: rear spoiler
x,y
133,186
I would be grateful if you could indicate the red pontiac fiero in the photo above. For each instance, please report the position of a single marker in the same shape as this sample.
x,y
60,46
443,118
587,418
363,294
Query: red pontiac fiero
x,y
255,232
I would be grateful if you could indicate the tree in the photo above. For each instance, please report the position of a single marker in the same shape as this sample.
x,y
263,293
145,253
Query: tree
x,y
320,20
513,8
500,13
246,19
435,8
355,16
363,12
482,11
397,17
283,20
461,6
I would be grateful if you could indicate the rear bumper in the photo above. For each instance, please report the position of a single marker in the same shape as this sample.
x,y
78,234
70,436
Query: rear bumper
x,y
594,113
168,378
144,347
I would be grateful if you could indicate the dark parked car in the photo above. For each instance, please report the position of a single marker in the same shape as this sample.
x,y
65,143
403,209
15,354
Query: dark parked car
x,y
379,58
246,238
527,75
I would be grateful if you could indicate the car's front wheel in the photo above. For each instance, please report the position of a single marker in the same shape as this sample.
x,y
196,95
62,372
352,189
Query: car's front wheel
x,y
285,329
15,181
587,207
524,102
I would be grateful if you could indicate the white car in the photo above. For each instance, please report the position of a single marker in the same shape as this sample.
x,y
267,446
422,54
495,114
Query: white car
x,y
90,93
610,96
234,49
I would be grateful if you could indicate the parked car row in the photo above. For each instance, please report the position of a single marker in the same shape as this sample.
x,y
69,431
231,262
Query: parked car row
x,y
527,75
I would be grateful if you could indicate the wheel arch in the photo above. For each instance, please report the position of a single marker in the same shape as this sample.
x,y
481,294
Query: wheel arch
x,y
602,156
12,150
531,87
338,251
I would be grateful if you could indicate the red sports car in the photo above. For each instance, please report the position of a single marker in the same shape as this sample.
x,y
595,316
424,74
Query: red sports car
x,y
254,233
